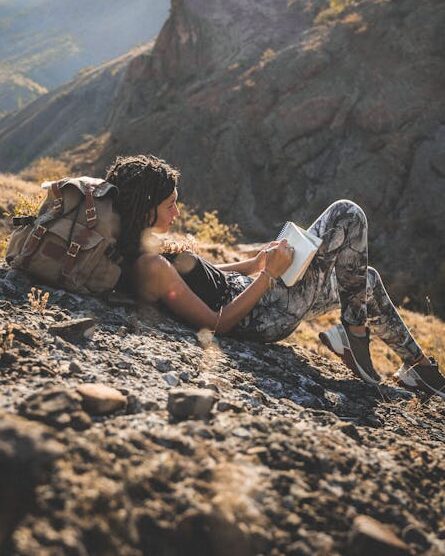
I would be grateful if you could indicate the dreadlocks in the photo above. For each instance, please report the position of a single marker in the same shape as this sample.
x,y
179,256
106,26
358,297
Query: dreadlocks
x,y
143,183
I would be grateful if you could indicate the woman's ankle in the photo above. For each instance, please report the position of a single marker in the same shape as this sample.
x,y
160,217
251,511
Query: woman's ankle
x,y
359,330
421,360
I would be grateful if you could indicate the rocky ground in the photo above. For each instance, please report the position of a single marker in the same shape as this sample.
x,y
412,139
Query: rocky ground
x,y
200,448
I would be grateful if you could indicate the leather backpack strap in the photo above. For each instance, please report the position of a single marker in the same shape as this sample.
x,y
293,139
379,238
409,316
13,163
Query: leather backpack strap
x,y
32,244
70,257
58,198
90,209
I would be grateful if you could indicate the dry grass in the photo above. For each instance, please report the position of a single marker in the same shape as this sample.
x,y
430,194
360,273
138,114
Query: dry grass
x,y
15,193
429,331
45,169
333,11
11,187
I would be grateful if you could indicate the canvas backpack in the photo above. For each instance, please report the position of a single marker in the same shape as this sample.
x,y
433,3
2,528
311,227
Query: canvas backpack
x,y
72,241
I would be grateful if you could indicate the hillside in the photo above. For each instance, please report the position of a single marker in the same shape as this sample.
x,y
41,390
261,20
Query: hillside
x,y
223,448
66,116
44,43
273,109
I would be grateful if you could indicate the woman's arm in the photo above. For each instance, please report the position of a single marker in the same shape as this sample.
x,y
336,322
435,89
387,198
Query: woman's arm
x,y
249,266
159,280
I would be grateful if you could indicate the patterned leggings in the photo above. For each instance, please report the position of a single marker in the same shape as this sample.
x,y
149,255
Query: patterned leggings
x,y
338,275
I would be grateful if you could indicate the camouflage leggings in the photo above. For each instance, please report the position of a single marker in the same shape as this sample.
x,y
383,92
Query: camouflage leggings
x,y
338,275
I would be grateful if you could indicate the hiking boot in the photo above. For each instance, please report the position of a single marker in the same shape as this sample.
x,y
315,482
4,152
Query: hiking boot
x,y
422,377
353,350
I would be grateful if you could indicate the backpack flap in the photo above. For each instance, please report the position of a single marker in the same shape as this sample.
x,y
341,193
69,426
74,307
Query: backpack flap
x,y
64,196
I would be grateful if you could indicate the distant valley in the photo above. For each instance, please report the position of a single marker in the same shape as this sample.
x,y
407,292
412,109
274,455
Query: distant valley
x,y
44,43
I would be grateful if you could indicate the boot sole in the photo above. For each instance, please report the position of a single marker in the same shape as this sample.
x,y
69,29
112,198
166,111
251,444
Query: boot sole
x,y
422,385
334,343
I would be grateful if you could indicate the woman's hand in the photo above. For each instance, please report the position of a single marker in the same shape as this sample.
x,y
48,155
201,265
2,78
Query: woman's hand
x,y
278,258
260,259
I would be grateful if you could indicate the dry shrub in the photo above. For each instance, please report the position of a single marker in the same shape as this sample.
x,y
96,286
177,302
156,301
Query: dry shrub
x,y
38,300
26,205
3,245
11,186
207,229
45,169
17,197
335,9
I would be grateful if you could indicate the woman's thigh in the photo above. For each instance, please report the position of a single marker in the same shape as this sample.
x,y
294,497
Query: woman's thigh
x,y
279,312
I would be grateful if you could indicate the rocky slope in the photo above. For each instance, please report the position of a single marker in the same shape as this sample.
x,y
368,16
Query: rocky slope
x,y
44,43
275,108
222,448
60,116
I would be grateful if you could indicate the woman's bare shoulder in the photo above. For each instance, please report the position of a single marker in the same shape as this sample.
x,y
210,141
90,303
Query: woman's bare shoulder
x,y
152,274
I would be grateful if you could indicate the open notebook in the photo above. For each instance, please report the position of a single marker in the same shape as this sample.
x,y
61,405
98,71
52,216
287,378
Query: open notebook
x,y
305,245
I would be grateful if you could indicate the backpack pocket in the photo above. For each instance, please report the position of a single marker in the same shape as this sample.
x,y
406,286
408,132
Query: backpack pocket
x,y
65,256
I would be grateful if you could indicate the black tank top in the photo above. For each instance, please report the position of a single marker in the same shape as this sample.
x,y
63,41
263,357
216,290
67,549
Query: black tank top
x,y
204,279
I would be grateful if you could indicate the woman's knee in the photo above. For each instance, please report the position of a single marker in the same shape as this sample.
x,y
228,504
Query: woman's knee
x,y
348,207
374,277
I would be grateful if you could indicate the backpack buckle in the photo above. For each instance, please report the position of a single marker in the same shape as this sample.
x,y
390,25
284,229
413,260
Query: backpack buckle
x,y
90,214
39,232
73,249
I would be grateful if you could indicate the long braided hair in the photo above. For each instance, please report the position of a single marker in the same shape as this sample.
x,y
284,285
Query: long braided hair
x,y
143,181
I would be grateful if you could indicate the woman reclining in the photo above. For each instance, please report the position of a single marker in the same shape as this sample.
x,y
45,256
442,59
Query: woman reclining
x,y
248,299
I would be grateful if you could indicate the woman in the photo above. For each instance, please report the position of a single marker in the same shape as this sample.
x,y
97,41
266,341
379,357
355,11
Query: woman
x,y
229,300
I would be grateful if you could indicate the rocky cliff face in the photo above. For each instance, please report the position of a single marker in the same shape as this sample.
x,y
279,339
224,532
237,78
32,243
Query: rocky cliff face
x,y
273,109
123,432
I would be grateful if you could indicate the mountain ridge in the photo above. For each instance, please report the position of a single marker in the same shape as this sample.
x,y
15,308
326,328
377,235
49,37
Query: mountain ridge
x,y
268,125
47,42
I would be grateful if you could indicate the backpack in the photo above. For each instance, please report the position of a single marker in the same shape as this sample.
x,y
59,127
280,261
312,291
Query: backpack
x,y
72,241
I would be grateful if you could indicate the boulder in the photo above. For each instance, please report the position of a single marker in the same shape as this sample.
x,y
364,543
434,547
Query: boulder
x,y
193,403
56,406
27,451
74,330
99,399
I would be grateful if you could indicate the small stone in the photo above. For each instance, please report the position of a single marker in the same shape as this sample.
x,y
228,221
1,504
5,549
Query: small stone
x,y
150,405
184,376
193,403
369,537
74,367
208,385
24,336
163,365
171,379
241,432
99,399
349,429
223,405
74,330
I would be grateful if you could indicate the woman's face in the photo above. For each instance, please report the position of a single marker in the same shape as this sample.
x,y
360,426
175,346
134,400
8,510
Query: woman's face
x,y
167,212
